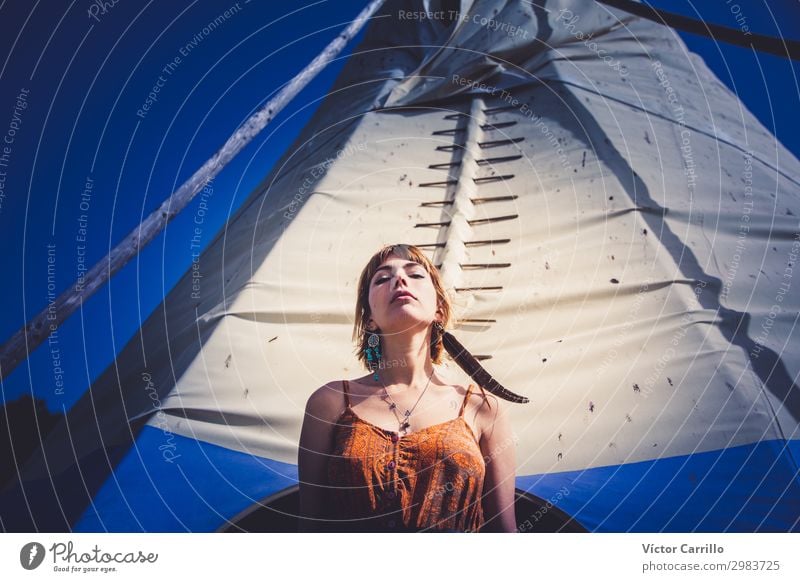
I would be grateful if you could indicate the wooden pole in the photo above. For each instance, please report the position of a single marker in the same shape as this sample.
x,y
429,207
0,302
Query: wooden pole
x,y
30,336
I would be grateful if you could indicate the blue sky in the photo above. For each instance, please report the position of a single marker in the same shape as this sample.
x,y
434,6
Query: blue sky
x,y
86,75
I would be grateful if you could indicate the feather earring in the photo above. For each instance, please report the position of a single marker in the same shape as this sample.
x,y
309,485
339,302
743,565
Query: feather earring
x,y
472,367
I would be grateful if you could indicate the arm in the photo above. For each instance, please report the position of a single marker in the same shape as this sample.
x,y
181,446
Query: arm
x,y
498,445
312,459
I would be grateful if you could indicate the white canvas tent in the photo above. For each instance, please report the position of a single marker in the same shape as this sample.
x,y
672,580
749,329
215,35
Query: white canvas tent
x,y
616,230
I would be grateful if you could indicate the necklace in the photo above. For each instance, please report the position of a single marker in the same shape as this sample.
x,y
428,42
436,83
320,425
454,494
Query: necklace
x,y
404,424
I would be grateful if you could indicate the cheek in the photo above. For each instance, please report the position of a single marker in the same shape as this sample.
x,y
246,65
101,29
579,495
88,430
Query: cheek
x,y
429,294
373,297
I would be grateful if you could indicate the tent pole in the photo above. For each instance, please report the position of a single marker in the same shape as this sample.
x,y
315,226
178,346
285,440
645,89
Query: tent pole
x,y
777,46
33,333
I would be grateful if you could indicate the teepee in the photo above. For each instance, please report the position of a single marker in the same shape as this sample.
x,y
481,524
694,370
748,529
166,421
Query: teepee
x,y
617,232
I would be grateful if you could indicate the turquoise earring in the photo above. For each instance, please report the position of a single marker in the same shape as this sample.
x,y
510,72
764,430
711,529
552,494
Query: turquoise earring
x,y
373,353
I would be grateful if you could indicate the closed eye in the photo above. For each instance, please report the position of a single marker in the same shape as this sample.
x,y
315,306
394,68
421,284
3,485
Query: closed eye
x,y
380,280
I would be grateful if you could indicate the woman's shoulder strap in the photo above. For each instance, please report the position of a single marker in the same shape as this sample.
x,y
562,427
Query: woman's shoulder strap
x,y
345,389
466,399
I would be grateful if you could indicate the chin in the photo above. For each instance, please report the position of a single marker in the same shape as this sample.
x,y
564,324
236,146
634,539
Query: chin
x,y
402,322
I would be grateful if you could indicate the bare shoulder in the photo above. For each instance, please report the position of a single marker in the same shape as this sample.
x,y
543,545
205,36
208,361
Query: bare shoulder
x,y
491,405
495,417
326,402
483,400
483,407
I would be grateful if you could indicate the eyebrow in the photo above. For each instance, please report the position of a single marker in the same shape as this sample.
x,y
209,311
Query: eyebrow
x,y
388,268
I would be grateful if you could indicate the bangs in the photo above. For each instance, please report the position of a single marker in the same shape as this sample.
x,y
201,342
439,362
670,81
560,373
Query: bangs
x,y
401,251
404,252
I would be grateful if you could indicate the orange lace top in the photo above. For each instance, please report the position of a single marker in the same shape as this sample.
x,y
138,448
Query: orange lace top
x,y
428,480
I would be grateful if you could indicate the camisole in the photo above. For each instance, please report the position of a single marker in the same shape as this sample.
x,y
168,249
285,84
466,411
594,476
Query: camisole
x,y
428,480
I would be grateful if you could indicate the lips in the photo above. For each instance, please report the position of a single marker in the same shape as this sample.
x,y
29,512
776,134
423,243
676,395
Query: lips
x,y
399,294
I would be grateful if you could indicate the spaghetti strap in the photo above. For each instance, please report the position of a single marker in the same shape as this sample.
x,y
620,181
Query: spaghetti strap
x,y
464,404
346,394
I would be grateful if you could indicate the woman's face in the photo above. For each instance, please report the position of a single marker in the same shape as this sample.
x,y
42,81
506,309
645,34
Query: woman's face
x,y
415,307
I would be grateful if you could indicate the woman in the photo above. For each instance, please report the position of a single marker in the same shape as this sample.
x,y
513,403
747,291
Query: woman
x,y
387,452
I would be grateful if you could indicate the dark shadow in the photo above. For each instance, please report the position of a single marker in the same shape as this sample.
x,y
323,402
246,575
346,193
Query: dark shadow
x,y
53,503
24,423
543,29
278,514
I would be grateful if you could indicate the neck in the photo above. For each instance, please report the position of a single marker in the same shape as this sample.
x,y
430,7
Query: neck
x,y
406,359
